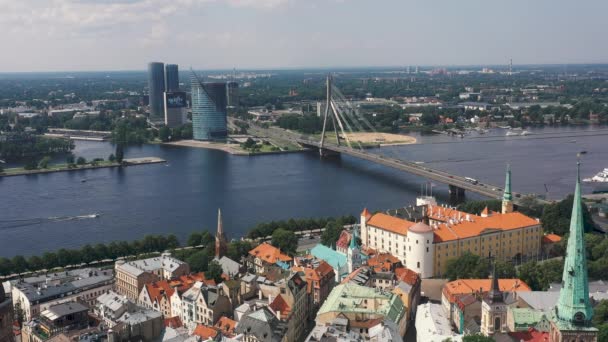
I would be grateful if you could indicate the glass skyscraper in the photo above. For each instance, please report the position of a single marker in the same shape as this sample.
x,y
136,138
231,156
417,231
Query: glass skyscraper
x,y
208,110
171,78
156,86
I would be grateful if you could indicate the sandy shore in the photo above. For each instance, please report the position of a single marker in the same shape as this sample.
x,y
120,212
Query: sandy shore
x,y
230,148
383,139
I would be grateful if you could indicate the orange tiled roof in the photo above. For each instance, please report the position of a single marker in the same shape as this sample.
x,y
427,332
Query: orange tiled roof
x,y
383,262
173,322
351,276
406,275
443,214
324,270
390,223
269,253
468,286
226,326
532,335
478,225
365,213
552,238
158,289
280,305
204,332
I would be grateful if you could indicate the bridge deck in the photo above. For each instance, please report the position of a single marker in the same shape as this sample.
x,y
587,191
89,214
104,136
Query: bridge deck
x,y
488,190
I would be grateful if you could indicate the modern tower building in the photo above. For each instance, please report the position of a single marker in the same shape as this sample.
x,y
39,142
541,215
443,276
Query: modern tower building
x,y
208,110
175,108
156,87
171,78
571,317
233,94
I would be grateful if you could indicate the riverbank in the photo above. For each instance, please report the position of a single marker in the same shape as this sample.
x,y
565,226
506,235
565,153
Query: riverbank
x,y
234,149
19,171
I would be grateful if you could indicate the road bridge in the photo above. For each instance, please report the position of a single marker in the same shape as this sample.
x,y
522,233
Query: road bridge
x,y
457,184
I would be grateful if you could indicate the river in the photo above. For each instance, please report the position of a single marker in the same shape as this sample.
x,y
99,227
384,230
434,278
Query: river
x,y
38,212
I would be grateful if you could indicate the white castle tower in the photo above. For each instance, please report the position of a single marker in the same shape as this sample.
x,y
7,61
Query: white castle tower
x,y
420,249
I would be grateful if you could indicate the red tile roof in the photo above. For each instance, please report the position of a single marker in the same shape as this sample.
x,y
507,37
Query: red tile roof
x,y
383,262
344,239
406,275
226,326
204,332
532,335
459,287
280,305
311,275
158,290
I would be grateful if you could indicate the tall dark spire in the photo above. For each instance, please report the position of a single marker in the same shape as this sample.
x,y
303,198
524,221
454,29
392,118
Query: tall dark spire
x,y
495,295
220,240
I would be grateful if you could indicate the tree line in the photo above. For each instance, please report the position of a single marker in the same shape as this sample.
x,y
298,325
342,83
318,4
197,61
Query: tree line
x,y
266,229
20,146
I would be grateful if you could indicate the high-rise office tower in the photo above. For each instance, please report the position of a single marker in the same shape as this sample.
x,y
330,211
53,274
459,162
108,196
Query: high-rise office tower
x,y
233,94
156,86
171,77
175,108
208,110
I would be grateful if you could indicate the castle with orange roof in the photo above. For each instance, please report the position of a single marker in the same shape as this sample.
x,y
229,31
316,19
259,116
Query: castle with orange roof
x,y
445,233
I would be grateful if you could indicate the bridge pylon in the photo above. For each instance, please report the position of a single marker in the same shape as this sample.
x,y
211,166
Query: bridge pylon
x,y
328,108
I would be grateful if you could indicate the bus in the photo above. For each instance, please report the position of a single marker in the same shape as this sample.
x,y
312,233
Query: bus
x,y
471,180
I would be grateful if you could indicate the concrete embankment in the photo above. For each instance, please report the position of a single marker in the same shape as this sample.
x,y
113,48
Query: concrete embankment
x,y
64,167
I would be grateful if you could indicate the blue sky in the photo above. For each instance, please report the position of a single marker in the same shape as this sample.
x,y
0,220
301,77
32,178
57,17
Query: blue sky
x,y
60,35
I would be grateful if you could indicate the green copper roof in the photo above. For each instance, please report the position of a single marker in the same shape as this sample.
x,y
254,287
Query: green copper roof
x,y
507,194
352,298
335,259
353,242
573,308
526,317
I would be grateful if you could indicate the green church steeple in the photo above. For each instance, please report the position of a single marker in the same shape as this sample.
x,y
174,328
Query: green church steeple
x,y
507,196
353,239
573,307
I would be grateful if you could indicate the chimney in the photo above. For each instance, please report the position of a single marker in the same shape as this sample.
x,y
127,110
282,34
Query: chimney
x,y
279,314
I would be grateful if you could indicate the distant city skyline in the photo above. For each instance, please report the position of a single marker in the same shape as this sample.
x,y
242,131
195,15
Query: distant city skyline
x,y
96,35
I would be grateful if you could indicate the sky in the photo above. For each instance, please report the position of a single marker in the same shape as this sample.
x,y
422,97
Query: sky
x,y
87,35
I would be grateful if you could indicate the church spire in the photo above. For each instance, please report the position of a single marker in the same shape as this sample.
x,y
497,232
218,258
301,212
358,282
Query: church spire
x,y
573,307
507,197
353,239
220,240
495,295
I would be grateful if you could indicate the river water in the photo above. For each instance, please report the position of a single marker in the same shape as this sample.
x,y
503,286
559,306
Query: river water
x,y
38,212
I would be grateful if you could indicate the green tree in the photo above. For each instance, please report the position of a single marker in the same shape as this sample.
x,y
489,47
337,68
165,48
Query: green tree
x,y
477,338
112,158
35,263
206,238
467,266
44,162
164,134
556,217
70,159
172,242
602,335
214,271
81,161
50,260
19,264
198,261
31,164
285,240
600,313
539,275
1,167
6,267
476,207
249,144
194,239
331,233
239,249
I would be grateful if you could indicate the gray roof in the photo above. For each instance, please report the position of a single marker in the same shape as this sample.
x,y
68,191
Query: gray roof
x,y
140,316
539,300
229,266
112,300
137,267
262,324
36,290
57,311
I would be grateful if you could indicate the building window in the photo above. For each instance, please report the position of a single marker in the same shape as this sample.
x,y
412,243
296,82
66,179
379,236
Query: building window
x,y
418,264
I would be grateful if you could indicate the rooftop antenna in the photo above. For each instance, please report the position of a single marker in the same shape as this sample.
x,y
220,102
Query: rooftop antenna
x,y
510,66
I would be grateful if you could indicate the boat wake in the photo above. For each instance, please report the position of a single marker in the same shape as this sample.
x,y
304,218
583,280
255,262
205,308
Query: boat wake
x,y
17,223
